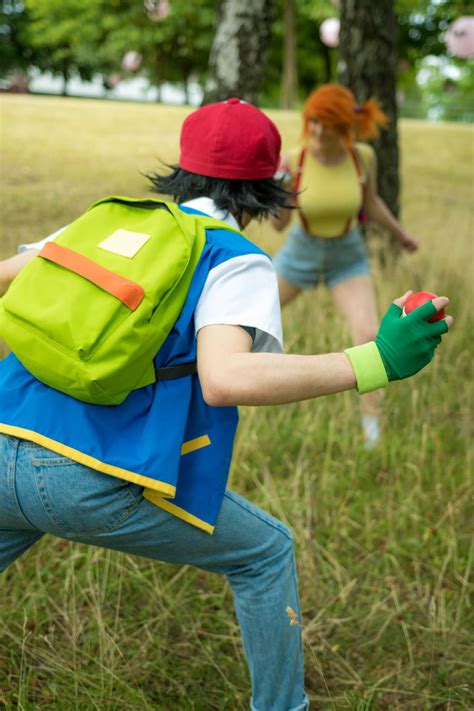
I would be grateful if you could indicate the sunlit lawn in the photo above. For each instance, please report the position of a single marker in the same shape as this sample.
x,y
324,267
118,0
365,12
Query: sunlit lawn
x,y
384,538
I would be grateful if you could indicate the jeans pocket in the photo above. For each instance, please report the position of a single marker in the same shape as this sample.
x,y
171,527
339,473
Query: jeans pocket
x,y
81,501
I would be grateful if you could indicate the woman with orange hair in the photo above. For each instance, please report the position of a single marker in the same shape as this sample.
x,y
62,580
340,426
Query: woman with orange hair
x,y
336,182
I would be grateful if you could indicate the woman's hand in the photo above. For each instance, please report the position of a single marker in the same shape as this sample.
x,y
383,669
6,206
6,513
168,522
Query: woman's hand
x,y
378,211
407,241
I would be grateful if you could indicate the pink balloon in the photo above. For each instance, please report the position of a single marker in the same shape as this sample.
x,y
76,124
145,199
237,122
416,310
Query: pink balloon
x,y
132,61
329,31
114,80
459,37
157,10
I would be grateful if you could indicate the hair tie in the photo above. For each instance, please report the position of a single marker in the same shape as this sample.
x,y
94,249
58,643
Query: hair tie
x,y
357,109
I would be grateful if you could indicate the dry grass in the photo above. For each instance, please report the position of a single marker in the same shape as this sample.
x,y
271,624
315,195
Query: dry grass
x,y
384,538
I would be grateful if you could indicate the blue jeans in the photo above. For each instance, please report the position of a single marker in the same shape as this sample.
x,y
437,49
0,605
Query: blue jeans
x,y
44,492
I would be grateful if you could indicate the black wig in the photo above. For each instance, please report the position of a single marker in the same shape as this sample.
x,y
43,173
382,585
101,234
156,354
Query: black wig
x,y
258,198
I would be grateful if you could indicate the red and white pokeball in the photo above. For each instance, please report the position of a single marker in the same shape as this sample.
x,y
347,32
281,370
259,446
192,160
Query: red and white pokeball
x,y
418,299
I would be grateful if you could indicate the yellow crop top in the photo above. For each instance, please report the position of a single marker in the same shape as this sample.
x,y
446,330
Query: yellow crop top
x,y
330,195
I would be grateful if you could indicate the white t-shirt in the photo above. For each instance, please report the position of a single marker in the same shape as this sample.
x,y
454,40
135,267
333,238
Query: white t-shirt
x,y
242,291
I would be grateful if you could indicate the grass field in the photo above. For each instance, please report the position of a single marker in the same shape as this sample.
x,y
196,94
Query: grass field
x,y
384,538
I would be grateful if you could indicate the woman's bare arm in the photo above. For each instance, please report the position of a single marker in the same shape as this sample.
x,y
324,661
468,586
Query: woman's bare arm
x,y
378,211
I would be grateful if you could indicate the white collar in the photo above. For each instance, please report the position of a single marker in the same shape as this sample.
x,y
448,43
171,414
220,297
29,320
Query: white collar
x,y
208,206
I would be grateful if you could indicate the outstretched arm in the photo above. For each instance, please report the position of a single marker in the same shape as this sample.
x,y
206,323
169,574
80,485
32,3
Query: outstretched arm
x,y
377,210
9,268
231,375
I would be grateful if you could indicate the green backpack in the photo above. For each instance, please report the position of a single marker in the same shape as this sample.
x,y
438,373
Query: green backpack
x,y
88,314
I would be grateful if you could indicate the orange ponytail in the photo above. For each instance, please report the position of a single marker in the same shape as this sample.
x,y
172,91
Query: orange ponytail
x,y
369,117
334,105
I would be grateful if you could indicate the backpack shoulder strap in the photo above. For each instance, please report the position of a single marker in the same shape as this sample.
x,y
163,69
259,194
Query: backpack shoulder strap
x,y
209,223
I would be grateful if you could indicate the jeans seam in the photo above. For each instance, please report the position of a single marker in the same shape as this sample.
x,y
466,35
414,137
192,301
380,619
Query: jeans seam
x,y
262,517
11,470
46,503
52,462
129,511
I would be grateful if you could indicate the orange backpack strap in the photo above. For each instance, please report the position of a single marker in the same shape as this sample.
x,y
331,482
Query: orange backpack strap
x,y
128,292
299,173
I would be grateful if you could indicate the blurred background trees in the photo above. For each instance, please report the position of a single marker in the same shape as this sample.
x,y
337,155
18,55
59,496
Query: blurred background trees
x,y
277,45
239,51
368,66
272,52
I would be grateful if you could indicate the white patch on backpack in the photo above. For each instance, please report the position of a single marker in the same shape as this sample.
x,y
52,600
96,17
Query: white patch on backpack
x,y
124,242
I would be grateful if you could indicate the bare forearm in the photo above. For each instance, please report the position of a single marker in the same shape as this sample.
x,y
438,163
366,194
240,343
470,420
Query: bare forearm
x,y
11,267
274,379
379,212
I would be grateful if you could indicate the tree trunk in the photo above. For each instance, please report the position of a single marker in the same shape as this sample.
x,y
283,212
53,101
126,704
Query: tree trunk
x,y
289,82
186,90
367,65
326,54
65,76
239,51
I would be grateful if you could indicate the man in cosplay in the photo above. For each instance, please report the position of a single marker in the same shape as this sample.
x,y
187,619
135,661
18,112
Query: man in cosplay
x,y
149,476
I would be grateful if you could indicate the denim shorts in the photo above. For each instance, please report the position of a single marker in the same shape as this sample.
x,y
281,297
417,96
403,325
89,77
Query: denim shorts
x,y
305,260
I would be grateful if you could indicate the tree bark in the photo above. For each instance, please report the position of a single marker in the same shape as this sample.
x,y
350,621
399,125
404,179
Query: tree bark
x,y
326,55
239,51
367,65
289,81
65,76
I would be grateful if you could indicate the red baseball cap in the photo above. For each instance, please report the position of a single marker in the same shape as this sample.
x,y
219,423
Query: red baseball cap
x,y
232,140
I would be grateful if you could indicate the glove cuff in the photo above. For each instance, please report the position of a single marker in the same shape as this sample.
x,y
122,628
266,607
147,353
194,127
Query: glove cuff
x,y
368,367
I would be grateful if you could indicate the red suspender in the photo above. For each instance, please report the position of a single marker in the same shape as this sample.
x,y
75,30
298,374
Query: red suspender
x,y
358,166
360,176
299,173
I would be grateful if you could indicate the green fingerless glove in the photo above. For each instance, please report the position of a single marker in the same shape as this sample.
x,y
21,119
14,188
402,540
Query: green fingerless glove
x,y
408,344
402,347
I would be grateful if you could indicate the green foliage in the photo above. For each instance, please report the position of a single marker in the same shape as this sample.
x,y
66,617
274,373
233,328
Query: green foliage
x,y
422,26
16,51
67,31
448,88
316,62
432,83
93,35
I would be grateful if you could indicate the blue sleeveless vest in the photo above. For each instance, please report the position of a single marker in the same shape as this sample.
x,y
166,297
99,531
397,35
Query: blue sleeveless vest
x,y
163,437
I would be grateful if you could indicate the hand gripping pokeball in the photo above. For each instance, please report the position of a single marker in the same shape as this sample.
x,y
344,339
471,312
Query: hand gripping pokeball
x,y
418,299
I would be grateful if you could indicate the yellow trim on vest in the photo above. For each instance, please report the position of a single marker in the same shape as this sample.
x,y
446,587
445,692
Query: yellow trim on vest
x,y
158,500
88,461
197,443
